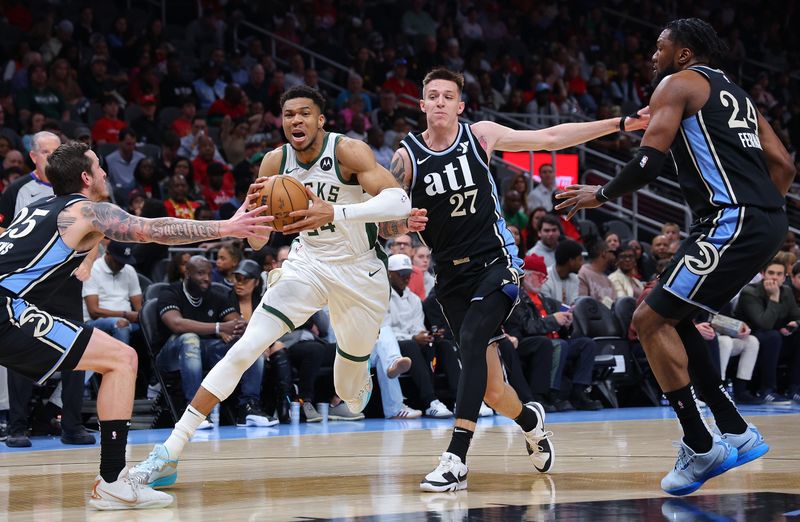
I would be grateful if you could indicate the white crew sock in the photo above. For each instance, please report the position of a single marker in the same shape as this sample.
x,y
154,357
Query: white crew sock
x,y
183,431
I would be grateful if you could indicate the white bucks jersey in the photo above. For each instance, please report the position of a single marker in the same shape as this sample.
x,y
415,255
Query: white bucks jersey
x,y
331,242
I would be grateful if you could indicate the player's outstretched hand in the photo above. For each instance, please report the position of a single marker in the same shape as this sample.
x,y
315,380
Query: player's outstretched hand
x,y
248,223
318,214
578,197
417,220
640,123
255,190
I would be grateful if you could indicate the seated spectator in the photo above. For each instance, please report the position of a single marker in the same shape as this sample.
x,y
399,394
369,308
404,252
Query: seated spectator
x,y
535,321
383,154
204,159
108,127
402,244
145,177
671,231
190,144
645,267
549,235
422,280
389,364
39,97
220,187
746,347
530,235
623,278
406,90
34,126
112,294
231,105
568,229
147,255
229,256
355,87
562,278
542,194
513,212
146,126
612,240
183,125
407,320
121,165
660,248
592,277
177,203
234,135
176,269
769,307
354,115
388,111
203,326
209,88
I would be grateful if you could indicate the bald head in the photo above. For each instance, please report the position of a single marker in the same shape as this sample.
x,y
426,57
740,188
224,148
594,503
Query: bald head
x,y
198,271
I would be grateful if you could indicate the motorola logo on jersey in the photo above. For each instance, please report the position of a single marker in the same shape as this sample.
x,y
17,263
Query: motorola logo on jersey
x,y
706,262
326,163
454,177
42,322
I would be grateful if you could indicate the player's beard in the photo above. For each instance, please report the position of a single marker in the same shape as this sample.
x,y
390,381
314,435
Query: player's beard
x,y
663,74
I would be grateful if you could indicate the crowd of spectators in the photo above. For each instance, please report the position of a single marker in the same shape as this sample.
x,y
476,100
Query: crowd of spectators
x,y
181,114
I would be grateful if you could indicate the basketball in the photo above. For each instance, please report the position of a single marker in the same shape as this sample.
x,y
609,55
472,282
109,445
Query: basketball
x,y
282,195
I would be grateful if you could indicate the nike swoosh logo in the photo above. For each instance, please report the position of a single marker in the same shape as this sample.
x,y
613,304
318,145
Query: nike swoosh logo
x,y
291,170
375,272
124,500
421,161
462,477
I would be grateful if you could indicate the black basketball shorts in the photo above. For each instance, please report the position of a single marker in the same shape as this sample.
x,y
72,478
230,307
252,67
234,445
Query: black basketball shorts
x,y
36,343
720,256
458,286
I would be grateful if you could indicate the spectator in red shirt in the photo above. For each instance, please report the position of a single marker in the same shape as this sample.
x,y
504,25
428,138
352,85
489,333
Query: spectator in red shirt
x,y
177,203
182,125
232,104
401,85
106,129
220,186
204,159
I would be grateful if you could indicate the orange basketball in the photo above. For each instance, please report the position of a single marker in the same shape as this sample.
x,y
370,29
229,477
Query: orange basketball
x,y
282,195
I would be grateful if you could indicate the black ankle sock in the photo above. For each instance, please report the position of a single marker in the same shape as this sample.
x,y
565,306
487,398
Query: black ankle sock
x,y
113,439
527,418
695,432
459,443
728,418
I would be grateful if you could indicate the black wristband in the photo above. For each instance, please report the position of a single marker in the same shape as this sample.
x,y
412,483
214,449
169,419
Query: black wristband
x,y
635,115
600,195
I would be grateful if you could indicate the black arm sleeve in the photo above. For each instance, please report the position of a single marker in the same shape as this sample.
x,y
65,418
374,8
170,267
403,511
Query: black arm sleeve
x,y
641,170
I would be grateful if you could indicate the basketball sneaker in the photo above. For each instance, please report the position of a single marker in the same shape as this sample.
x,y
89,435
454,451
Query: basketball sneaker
x,y
308,411
449,475
250,414
360,401
126,493
485,411
205,425
341,412
749,445
692,469
537,441
407,413
157,470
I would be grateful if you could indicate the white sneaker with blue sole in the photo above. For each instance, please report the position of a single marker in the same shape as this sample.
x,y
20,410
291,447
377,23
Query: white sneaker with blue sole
x,y
157,470
360,401
749,445
692,469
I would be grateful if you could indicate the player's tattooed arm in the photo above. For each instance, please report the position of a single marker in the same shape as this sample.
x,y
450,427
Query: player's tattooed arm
x,y
117,224
415,222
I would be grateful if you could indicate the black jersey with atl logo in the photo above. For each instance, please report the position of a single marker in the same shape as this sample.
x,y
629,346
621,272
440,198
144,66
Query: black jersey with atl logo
x,y
455,186
718,155
34,260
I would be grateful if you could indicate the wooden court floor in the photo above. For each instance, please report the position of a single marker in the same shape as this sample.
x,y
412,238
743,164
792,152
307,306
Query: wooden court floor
x,y
375,475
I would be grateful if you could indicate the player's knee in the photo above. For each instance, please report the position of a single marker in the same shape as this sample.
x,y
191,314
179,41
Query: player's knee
x,y
493,395
125,359
646,321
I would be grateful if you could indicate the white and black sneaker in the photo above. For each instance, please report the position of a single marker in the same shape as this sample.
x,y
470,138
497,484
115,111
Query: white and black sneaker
x,y
537,441
449,475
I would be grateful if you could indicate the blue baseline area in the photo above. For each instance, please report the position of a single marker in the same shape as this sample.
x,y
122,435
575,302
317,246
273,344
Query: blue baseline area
x,y
150,437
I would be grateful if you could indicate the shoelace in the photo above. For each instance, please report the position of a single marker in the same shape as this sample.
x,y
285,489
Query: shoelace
x,y
683,456
445,465
538,438
143,470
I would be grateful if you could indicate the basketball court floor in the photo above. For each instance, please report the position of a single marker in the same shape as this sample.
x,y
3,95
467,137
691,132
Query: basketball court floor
x,y
608,467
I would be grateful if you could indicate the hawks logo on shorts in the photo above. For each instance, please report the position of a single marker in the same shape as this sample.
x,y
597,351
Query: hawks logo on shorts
x,y
706,262
41,321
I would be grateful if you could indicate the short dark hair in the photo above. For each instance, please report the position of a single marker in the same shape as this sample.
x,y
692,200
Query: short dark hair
x,y
304,91
699,36
550,219
127,131
443,73
596,248
566,250
796,269
65,166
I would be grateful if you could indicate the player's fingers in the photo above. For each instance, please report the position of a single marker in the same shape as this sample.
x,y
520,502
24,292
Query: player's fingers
x,y
298,214
572,212
311,195
258,210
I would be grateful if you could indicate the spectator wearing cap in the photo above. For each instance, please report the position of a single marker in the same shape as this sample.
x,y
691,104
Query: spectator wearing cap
x,y
107,128
406,90
209,88
52,47
407,320
121,165
146,126
536,317
112,295
83,134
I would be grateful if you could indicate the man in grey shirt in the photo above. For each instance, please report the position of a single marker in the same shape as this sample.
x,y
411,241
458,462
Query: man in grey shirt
x,y
549,235
122,164
562,277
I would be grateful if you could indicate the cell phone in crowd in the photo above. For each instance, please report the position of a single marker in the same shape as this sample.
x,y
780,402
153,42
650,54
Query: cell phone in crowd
x,y
565,308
